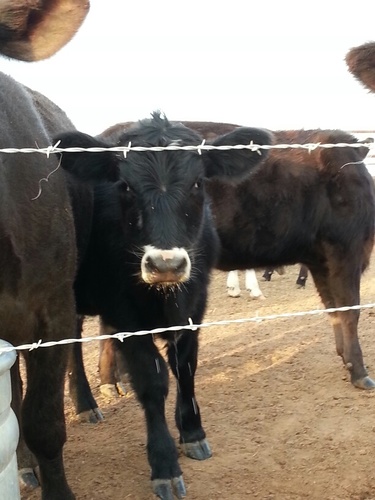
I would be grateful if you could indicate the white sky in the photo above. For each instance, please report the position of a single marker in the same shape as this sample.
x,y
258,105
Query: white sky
x,y
274,64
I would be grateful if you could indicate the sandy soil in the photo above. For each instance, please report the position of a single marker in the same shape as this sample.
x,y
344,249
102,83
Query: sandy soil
x,y
282,419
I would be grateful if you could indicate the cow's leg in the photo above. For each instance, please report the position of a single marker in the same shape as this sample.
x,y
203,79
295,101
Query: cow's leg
x,y
43,417
79,387
233,284
26,461
107,369
338,286
112,368
121,371
268,273
182,358
302,277
148,374
252,285
320,277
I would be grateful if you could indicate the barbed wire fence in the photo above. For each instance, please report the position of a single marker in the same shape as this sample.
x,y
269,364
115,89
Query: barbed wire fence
x,y
125,150
198,148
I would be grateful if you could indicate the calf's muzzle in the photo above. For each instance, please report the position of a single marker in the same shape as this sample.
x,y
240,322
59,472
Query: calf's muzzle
x,y
165,266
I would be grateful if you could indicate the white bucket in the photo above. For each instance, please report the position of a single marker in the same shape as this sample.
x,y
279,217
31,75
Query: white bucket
x,y
9,431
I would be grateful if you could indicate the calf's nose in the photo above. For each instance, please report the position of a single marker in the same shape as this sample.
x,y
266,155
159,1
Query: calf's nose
x,y
165,266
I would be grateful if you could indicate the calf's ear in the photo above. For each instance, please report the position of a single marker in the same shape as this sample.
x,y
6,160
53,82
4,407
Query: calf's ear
x,y
236,163
88,166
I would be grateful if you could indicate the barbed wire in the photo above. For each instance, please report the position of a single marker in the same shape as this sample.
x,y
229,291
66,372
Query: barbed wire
x,y
191,326
199,148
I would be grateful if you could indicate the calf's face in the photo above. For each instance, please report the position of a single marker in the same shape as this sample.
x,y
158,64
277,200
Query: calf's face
x,y
169,211
164,209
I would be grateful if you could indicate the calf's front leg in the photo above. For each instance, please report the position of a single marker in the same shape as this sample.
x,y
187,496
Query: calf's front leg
x,y
148,375
182,358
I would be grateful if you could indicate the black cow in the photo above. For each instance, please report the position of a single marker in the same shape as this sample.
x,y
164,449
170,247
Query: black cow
x,y
151,247
54,120
38,249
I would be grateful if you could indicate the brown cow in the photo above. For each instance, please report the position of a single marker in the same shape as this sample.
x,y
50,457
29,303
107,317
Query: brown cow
x,y
38,248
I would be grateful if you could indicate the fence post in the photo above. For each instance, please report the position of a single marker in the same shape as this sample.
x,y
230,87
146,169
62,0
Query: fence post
x,y
9,430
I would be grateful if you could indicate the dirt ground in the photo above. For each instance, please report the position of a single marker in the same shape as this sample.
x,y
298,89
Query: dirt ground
x,y
281,417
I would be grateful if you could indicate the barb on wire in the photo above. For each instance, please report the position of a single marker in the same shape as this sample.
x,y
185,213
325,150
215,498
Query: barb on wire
x,y
201,146
311,147
191,326
51,149
126,150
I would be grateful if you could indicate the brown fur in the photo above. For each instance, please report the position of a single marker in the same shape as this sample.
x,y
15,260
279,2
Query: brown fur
x,y
361,63
36,29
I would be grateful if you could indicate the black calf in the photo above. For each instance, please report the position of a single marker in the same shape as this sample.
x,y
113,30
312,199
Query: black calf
x,y
151,248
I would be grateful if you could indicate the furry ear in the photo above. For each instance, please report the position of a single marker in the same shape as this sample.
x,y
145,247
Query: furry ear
x,y
361,63
31,30
236,163
87,166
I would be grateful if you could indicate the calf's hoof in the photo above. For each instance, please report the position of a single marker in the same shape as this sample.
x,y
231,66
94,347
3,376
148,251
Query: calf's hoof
x,y
93,416
27,479
364,383
113,391
121,388
233,292
109,391
167,488
199,450
257,295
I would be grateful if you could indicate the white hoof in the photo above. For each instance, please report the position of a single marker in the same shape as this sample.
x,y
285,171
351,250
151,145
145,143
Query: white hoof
x,y
257,295
233,292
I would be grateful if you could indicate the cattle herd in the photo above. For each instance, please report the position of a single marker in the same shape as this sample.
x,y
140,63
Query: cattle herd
x,y
133,239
